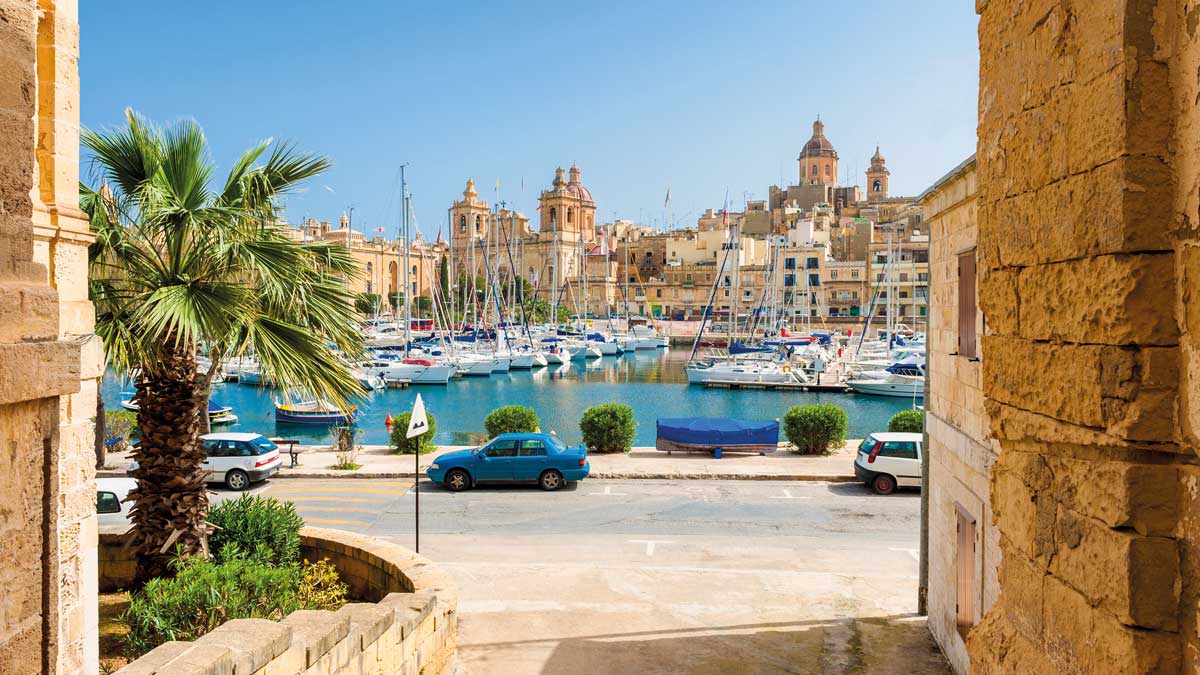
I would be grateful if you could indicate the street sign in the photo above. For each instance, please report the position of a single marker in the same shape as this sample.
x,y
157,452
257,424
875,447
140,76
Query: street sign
x,y
417,423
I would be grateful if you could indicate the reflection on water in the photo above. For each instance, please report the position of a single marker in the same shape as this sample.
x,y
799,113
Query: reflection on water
x,y
652,382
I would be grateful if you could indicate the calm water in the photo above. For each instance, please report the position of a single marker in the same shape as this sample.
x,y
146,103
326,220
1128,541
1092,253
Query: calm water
x,y
653,383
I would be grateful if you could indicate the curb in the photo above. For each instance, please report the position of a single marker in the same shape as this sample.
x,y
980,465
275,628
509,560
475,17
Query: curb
x,y
599,475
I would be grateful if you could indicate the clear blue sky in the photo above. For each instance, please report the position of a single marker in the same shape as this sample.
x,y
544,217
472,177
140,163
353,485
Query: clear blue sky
x,y
702,96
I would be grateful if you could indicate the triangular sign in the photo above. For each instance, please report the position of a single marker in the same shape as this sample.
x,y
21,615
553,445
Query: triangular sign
x,y
417,424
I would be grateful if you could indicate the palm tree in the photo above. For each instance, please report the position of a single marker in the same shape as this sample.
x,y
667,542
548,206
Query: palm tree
x,y
178,266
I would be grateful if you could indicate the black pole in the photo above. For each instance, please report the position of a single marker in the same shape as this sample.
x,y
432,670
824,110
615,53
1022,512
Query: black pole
x,y
417,496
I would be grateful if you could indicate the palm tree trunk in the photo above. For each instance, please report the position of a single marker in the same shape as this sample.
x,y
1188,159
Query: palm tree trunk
x,y
170,503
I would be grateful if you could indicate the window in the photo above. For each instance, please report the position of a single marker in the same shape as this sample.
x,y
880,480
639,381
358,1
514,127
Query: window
x,y
811,264
832,274
789,263
899,450
828,170
747,294
922,276
532,448
107,502
853,274
414,269
502,449
876,186
478,224
904,294
553,214
789,280
814,169
462,223
967,309
904,276
964,565
658,292
814,279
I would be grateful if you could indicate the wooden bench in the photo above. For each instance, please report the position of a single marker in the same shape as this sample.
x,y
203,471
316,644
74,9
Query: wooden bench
x,y
292,450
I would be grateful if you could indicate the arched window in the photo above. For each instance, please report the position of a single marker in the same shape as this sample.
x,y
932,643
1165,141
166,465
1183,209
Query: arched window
x,y
828,170
414,270
876,186
570,216
369,268
553,215
478,224
814,169
462,223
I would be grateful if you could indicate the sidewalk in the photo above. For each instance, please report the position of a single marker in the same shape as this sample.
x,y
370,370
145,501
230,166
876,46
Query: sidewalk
x,y
640,463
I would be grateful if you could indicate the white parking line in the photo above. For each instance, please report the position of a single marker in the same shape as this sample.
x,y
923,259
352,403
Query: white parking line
x,y
911,551
608,492
787,494
650,543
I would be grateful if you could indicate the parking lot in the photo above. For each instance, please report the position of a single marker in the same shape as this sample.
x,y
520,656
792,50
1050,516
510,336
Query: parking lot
x,y
659,576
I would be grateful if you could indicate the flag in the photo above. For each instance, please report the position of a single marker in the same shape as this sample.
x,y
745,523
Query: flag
x,y
497,183
439,237
379,230
667,201
725,210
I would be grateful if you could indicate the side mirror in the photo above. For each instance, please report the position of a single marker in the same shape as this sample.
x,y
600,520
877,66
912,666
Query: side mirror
x,y
107,502
481,455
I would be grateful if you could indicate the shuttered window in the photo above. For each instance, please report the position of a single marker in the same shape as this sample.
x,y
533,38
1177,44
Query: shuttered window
x,y
964,564
967,310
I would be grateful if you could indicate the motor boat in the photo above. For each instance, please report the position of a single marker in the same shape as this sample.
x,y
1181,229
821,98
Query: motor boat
x,y
743,371
314,412
905,386
413,370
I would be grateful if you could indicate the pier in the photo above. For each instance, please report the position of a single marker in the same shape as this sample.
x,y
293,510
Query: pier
x,y
834,387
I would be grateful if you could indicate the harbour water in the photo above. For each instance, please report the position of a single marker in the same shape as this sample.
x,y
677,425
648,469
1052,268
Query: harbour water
x,y
653,383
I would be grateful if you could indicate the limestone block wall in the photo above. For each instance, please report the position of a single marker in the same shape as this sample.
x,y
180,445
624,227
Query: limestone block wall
x,y
1088,232
961,448
47,497
408,627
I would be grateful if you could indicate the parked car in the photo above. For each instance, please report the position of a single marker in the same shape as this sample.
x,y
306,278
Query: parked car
x,y
238,459
886,461
111,507
520,457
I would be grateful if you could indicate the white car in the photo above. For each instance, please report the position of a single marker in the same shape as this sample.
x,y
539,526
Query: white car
x,y
887,461
237,459
111,507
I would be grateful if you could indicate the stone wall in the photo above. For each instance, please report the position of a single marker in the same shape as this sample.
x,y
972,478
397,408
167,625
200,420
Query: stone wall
x,y
961,450
1088,195
47,497
408,626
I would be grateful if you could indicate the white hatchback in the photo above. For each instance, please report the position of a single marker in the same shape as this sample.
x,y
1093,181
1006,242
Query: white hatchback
x,y
237,460
886,461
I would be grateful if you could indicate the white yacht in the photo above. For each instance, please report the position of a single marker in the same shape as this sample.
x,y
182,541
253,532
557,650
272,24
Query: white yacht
x,y
414,370
743,371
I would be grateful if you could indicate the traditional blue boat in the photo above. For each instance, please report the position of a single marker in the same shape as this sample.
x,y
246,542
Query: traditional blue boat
x,y
314,412
717,435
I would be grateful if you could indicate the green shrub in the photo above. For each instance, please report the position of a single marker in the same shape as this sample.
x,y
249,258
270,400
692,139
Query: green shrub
x,y
320,586
120,423
407,446
608,427
204,594
262,529
907,421
815,429
510,419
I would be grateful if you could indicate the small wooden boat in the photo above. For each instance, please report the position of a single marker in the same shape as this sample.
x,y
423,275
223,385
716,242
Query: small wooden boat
x,y
314,412
717,435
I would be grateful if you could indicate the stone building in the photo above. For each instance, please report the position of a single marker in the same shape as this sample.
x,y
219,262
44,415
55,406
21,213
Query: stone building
x,y
1088,258
877,178
50,360
908,261
964,543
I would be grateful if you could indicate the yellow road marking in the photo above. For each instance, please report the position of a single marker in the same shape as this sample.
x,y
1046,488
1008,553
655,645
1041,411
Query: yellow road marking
x,y
334,521
351,500
358,509
369,491
342,481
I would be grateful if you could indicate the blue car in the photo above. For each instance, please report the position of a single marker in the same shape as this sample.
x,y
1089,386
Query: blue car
x,y
512,457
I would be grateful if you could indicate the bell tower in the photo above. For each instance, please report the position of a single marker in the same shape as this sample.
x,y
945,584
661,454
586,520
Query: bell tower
x,y
877,178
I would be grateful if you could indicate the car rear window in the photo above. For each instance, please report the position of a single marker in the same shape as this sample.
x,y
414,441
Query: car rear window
x,y
262,445
555,444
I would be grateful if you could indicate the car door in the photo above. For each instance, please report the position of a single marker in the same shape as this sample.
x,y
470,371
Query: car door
x,y
212,454
496,461
531,459
221,460
902,461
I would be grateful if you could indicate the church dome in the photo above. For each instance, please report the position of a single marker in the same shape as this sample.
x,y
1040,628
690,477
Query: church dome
x,y
575,186
818,145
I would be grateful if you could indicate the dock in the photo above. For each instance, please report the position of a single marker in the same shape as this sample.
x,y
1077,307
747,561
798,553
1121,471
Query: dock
x,y
398,384
833,387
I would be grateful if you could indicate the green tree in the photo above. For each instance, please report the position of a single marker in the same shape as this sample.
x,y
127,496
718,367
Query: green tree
x,y
815,429
182,262
608,427
368,303
408,446
396,300
907,421
510,419
444,277
423,303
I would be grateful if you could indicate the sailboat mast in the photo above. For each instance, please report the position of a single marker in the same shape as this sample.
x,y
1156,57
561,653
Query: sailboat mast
x,y
404,206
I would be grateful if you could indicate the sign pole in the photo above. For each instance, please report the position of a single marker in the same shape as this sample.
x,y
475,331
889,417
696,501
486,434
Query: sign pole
x,y
417,425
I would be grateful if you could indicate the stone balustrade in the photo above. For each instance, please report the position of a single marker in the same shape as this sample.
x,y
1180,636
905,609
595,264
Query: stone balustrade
x,y
408,625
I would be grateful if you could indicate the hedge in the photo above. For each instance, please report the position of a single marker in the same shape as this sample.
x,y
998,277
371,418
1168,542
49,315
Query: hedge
x,y
511,419
907,421
608,427
815,429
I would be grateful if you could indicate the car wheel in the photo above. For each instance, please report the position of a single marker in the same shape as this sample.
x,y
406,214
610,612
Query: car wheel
x,y
551,480
457,480
237,480
883,484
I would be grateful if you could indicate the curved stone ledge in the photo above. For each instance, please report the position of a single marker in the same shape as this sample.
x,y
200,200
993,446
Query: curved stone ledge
x,y
409,624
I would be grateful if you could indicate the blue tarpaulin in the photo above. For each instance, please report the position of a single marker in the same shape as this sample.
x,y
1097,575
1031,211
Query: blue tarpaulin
x,y
718,431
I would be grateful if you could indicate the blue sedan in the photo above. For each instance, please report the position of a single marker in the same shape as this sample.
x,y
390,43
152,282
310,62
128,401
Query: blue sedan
x,y
512,457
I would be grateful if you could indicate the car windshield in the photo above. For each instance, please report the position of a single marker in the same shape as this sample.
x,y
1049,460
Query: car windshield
x,y
263,445
556,444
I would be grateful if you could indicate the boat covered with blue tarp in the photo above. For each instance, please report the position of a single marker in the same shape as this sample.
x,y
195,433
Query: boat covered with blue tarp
x,y
709,434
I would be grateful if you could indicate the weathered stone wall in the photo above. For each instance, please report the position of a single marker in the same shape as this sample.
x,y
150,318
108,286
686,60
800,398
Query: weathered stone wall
x,y
410,625
47,496
961,450
1088,223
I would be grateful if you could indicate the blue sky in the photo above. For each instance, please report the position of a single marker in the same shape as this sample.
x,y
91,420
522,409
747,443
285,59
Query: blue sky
x,y
703,97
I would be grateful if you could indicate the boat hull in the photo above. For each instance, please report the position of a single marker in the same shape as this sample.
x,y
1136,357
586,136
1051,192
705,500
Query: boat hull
x,y
882,388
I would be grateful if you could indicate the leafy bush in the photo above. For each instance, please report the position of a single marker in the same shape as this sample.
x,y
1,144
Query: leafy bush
x,y
907,421
120,423
510,419
608,427
320,587
204,594
262,529
815,429
368,303
407,446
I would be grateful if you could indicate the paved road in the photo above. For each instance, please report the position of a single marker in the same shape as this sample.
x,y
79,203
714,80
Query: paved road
x,y
659,576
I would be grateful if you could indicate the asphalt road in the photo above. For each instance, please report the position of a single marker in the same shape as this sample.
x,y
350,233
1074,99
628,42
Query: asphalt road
x,y
659,576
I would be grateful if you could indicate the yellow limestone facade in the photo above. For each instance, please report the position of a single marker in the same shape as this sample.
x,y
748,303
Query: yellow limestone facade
x,y
50,360
1089,278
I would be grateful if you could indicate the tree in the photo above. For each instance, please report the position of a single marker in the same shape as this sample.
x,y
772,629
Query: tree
x,y
396,300
368,303
444,277
182,263
423,303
